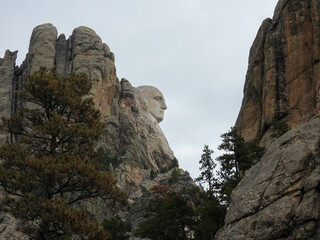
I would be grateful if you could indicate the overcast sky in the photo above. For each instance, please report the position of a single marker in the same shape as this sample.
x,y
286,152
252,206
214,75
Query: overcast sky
x,y
195,51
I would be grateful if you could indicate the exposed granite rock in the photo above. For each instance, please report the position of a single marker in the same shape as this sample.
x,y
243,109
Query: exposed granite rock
x,y
7,67
89,55
132,115
42,48
140,134
62,55
283,78
8,227
132,133
278,198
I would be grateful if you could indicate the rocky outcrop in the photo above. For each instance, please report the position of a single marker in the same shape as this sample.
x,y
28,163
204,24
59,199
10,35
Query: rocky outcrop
x,y
132,115
7,67
278,198
283,78
42,48
132,134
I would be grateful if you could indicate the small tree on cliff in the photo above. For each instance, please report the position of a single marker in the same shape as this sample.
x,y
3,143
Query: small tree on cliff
x,y
279,128
239,156
207,167
50,168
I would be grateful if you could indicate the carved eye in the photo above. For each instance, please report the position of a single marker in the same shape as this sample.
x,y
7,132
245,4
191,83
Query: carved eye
x,y
158,98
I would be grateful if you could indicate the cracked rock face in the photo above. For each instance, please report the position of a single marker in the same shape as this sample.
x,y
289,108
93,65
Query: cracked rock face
x,y
278,198
132,115
283,79
7,65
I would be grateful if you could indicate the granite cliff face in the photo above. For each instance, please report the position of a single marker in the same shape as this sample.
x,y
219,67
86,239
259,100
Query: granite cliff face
x,y
283,78
132,134
278,198
132,115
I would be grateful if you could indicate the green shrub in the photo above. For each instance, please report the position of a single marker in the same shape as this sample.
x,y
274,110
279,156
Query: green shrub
x,y
174,164
174,175
117,228
153,174
164,170
105,160
279,128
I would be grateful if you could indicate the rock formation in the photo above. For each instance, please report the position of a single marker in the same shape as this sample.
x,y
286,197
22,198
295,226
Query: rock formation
x,y
132,134
283,78
132,115
7,67
278,198
147,147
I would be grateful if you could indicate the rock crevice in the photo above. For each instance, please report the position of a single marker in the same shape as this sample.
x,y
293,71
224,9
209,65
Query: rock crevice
x,y
283,78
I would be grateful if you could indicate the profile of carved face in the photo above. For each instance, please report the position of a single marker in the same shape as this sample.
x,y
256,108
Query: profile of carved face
x,y
154,101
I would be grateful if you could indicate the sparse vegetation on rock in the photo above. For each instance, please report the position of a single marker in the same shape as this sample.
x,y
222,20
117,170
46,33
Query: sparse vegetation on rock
x,y
279,128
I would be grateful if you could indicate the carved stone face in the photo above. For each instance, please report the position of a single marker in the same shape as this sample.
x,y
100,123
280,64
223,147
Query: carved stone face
x,y
154,101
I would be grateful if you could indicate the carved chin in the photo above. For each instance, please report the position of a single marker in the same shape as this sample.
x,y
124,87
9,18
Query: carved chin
x,y
158,117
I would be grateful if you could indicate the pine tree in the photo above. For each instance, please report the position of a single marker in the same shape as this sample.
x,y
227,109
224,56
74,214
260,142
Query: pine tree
x,y
207,166
213,201
239,156
48,169
117,228
209,209
168,216
211,214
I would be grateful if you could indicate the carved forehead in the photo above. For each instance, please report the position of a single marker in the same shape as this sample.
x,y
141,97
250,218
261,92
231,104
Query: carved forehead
x,y
150,91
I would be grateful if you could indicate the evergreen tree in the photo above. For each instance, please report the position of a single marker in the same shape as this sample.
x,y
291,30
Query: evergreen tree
x,y
207,167
117,228
213,201
239,156
279,128
209,209
49,168
211,214
169,216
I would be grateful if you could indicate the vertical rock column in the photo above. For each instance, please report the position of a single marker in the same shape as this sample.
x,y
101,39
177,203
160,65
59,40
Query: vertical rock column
x,y
7,67
283,79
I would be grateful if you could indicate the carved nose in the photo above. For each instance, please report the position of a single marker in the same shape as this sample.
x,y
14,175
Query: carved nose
x,y
164,106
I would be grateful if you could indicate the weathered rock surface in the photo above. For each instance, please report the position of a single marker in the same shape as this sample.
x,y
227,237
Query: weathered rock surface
x,y
278,198
42,47
132,115
283,77
132,134
7,66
